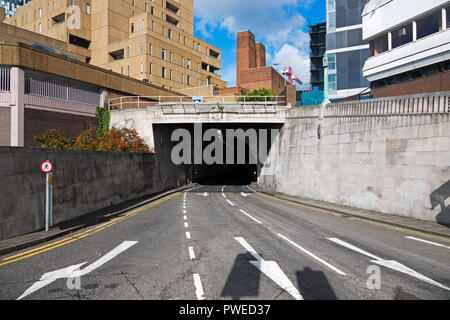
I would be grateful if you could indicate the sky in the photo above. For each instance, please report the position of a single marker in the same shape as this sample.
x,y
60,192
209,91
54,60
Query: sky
x,y
281,25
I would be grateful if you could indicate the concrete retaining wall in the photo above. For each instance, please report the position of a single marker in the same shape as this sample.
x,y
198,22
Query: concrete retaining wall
x,y
385,155
84,181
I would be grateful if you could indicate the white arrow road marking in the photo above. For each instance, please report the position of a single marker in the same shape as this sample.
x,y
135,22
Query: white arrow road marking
x,y
271,269
198,287
429,242
74,271
243,194
391,264
205,194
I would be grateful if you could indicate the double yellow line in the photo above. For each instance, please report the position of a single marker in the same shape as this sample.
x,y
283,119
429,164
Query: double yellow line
x,y
78,236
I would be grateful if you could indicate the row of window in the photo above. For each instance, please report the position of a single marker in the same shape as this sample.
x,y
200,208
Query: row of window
x,y
167,74
412,31
413,75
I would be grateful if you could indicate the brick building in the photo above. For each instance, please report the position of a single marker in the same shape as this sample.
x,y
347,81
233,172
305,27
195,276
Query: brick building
x,y
252,72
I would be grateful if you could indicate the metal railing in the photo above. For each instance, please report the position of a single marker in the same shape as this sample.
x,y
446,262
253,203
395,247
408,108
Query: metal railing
x,y
5,79
143,102
431,103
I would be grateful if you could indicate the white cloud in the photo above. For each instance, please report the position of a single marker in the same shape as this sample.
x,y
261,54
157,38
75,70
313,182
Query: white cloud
x,y
276,23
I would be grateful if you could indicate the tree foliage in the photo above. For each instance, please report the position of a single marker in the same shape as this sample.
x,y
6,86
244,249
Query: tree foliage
x,y
258,95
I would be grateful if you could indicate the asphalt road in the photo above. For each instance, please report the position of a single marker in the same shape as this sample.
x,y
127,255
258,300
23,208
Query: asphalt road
x,y
227,242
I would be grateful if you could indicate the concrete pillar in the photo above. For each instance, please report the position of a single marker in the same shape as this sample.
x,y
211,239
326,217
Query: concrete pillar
x,y
444,18
414,25
17,108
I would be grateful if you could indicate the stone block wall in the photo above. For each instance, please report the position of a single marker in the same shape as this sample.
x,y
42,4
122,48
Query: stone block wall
x,y
84,181
385,155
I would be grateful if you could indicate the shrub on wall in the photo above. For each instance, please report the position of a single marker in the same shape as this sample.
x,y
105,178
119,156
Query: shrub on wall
x,y
118,140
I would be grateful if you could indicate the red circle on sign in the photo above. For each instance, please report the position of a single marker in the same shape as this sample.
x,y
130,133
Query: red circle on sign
x,y
46,167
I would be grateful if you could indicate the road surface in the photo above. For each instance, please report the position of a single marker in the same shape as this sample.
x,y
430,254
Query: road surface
x,y
228,242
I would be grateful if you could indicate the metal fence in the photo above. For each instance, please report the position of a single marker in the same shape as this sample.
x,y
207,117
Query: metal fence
x,y
142,102
5,79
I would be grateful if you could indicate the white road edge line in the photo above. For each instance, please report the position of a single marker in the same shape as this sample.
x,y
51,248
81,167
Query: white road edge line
x,y
312,255
251,188
429,242
188,235
198,287
191,253
231,203
256,220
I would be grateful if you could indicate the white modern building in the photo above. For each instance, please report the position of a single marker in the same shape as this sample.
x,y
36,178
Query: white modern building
x,y
409,46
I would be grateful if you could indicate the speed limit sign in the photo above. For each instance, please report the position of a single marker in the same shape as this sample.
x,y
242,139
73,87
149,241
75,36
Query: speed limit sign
x,y
46,166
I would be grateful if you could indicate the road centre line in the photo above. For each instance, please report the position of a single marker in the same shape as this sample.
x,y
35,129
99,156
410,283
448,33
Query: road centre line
x,y
231,203
191,253
256,220
78,236
185,218
186,225
312,255
198,287
188,235
429,242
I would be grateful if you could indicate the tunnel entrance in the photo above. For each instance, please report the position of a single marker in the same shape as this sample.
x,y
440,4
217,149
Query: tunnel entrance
x,y
219,154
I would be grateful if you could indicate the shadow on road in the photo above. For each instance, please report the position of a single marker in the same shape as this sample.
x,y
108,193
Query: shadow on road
x,y
243,280
313,285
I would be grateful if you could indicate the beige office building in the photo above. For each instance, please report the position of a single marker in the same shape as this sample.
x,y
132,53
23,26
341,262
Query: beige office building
x,y
150,40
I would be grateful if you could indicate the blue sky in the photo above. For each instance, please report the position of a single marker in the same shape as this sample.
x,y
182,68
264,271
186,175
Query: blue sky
x,y
282,25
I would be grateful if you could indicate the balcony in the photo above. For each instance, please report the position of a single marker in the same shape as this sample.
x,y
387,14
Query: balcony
x,y
170,7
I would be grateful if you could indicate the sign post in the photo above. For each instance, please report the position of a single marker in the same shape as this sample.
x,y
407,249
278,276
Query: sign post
x,y
47,168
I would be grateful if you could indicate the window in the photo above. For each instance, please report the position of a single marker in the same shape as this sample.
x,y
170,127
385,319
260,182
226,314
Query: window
x,y
150,49
332,85
142,49
182,61
145,7
132,28
171,56
170,74
429,25
163,72
40,28
152,10
88,8
153,25
143,24
151,68
163,54
189,80
331,20
448,17
188,63
163,30
331,4
121,70
128,70
182,78
199,47
128,52
40,12
169,35
142,67
379,45
332,62
402,36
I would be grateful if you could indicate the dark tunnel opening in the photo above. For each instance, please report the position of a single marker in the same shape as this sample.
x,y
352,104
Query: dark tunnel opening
x,y
235,156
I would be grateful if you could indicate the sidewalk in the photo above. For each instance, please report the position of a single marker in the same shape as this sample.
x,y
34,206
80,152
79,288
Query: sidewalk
x,y
393,220
21,242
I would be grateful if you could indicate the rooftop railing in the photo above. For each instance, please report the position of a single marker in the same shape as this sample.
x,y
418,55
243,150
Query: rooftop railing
x,y
143,102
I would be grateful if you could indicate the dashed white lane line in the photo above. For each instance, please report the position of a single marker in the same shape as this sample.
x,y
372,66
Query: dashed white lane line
x,y
223,195
185,218
184,211
251,188
198,287
254,219
188,235
312,255
191,253
231,203
186,225
429,242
